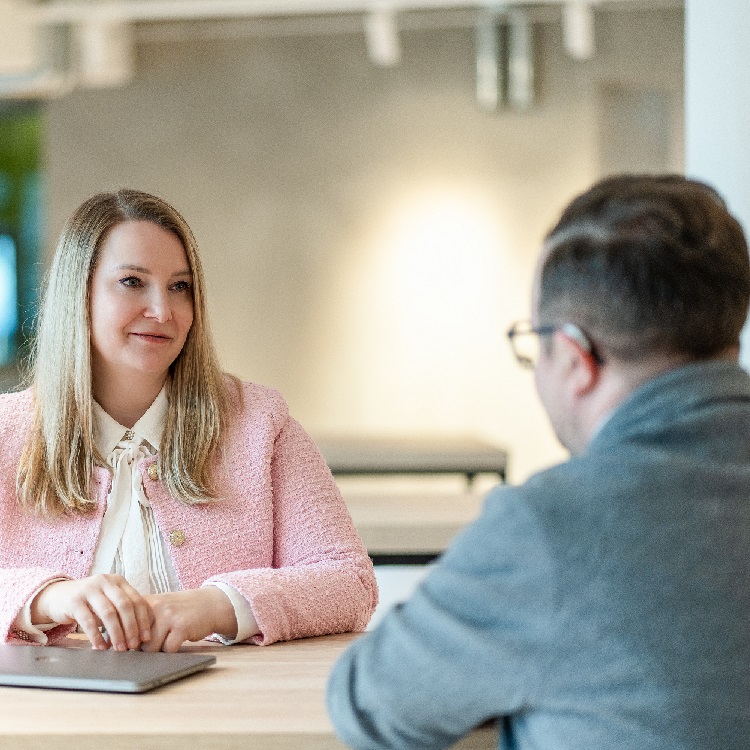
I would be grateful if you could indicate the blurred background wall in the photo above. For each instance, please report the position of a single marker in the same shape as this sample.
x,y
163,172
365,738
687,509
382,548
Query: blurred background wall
x,y
370,233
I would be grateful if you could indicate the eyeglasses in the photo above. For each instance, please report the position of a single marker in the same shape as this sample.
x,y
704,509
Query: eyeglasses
x,y
525,340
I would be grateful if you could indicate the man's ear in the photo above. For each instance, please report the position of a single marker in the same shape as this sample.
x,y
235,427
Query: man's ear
x,y
583,368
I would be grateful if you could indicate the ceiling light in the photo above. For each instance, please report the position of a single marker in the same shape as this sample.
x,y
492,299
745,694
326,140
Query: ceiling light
x,y
578,29
381,32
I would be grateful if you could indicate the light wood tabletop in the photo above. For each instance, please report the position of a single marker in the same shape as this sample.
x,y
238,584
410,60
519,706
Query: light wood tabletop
x,y
265,698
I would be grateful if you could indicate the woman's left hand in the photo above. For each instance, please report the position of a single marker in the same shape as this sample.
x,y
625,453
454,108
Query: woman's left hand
x,y
189,615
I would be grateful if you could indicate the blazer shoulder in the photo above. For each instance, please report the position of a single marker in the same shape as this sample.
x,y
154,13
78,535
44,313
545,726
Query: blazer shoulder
x,y
16,410
252,400
15,407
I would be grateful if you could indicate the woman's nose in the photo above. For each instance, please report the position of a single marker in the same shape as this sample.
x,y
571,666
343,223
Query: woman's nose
x,y
159,307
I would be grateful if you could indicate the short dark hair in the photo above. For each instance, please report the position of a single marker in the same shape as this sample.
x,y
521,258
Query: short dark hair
x,y
648,264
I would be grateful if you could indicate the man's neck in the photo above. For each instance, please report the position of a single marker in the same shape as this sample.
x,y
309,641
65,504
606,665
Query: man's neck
x,y
619,380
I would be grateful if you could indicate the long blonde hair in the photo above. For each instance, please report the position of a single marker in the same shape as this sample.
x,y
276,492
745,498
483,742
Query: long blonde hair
x,y
56,468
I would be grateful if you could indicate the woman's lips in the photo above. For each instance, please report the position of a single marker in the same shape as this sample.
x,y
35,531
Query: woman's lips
x,y
156,338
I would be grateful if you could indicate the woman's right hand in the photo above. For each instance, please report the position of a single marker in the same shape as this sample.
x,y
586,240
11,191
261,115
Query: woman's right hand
x,y
105,599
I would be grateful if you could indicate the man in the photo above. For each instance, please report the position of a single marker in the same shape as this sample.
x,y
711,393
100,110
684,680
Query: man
x,y
605,603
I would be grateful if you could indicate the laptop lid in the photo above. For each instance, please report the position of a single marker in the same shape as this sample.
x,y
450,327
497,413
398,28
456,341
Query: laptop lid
x,y
86,669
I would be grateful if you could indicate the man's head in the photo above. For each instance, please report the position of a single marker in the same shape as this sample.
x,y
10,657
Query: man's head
x,y
648,265
654,271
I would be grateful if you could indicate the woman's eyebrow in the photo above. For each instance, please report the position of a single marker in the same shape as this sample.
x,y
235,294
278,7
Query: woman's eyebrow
x,y
128,267
141,269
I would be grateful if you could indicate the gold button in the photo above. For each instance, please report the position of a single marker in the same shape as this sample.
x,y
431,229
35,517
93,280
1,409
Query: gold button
x,y
177,538
153,472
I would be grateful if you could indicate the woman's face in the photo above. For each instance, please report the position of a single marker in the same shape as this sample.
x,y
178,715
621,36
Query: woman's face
x,y
141,302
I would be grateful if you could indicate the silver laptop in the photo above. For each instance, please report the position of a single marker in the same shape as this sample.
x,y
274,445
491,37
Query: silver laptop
x,y
103,671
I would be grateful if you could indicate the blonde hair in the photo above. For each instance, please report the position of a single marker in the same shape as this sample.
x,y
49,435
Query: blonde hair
x,y
56,468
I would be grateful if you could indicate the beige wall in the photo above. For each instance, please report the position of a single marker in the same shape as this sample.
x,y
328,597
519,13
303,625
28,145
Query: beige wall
x,y
369,234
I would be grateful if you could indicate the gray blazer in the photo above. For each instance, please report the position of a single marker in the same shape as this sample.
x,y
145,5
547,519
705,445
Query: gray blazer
x,y
603,604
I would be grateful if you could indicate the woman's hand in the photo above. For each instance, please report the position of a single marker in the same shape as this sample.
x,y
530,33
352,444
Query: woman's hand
x,y
189,615
105,599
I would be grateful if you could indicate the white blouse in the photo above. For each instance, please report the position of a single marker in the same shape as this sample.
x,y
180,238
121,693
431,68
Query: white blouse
x,y
130,543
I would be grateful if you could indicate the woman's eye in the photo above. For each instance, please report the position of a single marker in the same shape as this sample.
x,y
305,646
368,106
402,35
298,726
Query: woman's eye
x,y
131,281
182,286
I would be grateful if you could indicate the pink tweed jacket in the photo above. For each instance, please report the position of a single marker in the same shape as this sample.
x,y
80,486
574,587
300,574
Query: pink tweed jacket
x,y
280,534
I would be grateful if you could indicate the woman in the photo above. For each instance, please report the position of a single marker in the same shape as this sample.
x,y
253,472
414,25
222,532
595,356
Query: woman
x,y
145,497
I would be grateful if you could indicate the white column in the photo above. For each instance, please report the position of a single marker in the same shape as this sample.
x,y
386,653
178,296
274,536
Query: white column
x,y
717,104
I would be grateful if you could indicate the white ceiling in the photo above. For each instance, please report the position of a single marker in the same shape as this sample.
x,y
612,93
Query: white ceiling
x,y
60,11
50,47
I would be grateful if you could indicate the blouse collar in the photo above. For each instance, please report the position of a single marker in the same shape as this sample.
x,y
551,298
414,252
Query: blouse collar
x,y
108,432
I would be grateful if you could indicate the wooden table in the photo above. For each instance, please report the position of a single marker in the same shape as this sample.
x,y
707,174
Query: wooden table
x,y
411,528
413,524
264,698
358,455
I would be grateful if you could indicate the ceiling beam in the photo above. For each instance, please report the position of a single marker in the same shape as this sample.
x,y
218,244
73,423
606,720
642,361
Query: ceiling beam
x,y
78,11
